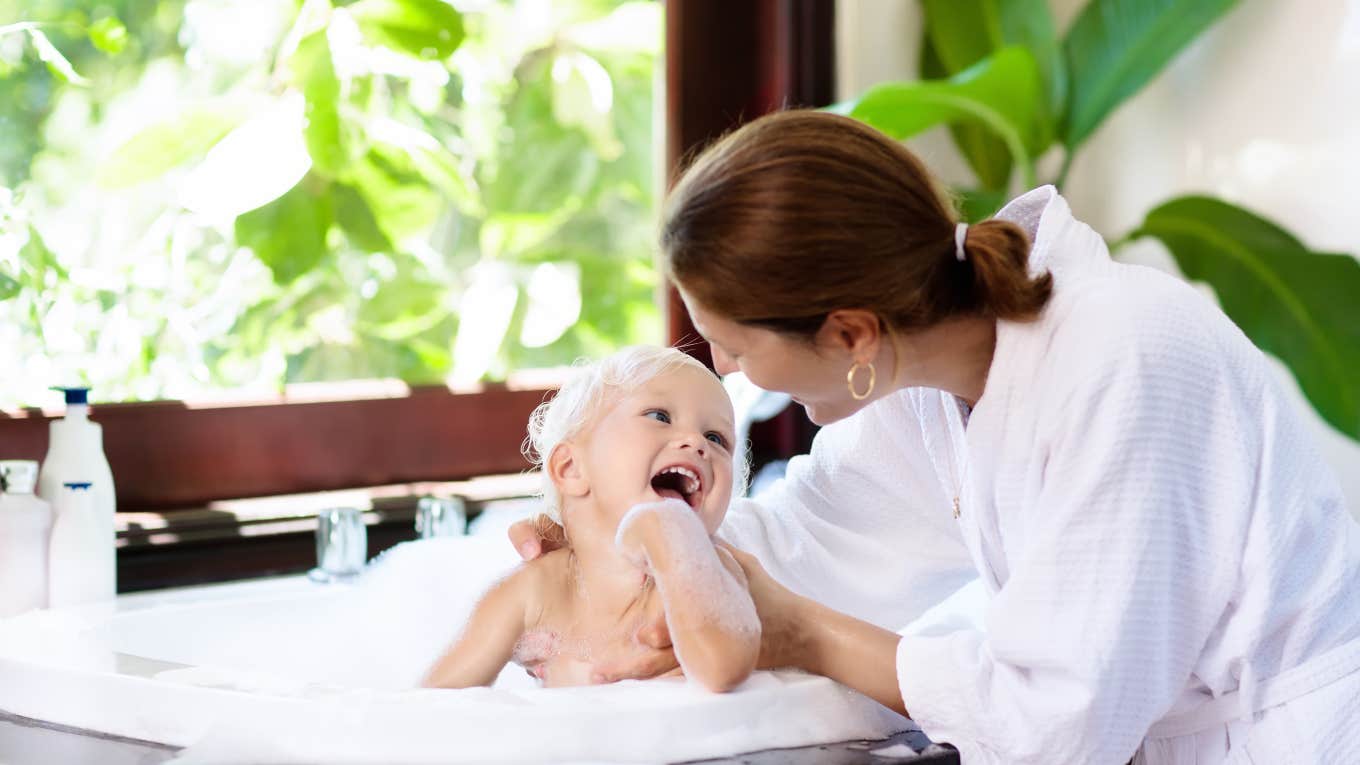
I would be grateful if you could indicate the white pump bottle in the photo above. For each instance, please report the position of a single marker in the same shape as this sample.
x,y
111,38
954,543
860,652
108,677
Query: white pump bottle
x,y
75,454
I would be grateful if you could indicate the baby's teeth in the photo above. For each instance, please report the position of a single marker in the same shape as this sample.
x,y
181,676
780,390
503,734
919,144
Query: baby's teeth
x,y
693,480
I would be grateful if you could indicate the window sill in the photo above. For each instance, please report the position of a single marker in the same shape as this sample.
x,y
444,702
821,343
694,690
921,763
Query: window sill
x,y
244,538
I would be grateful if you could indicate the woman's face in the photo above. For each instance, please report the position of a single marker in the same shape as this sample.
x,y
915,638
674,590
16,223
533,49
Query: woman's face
x,y
812,373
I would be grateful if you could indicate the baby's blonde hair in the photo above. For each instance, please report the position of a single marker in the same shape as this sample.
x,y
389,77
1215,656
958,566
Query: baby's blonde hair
x,y
590,389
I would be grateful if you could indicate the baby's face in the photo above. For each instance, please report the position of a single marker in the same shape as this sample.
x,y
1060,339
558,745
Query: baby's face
x,y
670,438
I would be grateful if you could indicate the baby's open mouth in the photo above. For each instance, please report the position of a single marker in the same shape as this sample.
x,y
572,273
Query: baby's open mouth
x,y
678,482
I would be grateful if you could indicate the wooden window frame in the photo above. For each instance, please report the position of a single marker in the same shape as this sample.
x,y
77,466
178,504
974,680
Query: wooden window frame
x,y
726,64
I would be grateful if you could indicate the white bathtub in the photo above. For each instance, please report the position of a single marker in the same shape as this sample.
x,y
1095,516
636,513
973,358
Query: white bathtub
x,y
288,671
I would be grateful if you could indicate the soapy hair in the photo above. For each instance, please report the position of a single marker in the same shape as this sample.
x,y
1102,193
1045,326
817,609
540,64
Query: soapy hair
x,y
591,388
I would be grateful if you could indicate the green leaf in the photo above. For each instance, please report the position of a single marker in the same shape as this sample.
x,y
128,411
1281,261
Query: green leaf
x,y
357,220
168,144
423,156
541,165
1292,302
56,63
39,267
963,32
980,204
427,29
1115,47
312,70
9,287
289,234
1030,24
401,199
1001,93
109,35
408,305
960,33
583,97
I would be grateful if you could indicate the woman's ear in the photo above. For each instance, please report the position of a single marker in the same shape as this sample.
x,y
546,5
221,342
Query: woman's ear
x,y
853,332
565,471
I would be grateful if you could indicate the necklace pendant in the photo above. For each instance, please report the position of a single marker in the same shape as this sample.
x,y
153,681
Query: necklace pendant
x,y
956,508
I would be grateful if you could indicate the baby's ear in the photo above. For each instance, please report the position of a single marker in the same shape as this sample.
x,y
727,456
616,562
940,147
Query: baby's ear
x,y
565,471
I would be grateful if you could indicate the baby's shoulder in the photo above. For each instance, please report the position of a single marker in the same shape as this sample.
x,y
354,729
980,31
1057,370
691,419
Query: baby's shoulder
x,y
548,567
542,583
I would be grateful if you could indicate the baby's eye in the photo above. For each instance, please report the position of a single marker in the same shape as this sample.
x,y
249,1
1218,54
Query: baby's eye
x,y
717,438
660,415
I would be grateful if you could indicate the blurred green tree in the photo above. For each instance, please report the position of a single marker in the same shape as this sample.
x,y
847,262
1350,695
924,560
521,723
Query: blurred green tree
x,y
199,195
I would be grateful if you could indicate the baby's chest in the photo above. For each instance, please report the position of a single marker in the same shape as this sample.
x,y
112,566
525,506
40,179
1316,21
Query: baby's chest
x,y
543,655
571,654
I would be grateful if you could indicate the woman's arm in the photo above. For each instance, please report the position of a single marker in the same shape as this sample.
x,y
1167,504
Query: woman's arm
x,y
712,621
800,632
487,641
861,523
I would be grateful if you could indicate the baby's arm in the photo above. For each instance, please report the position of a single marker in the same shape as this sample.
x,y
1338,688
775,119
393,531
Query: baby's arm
x,y
488,639
712,620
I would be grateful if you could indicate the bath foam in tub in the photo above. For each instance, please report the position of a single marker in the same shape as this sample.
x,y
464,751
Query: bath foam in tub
x,y
327,674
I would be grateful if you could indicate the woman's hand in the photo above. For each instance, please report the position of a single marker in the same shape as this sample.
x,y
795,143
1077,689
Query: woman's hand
x,y
783,642
654,656
799,632
535,536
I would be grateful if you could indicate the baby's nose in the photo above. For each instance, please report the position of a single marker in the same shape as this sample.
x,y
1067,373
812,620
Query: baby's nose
x,y
695,442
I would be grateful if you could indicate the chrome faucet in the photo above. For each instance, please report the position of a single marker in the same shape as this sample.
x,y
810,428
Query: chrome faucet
x,y
341,544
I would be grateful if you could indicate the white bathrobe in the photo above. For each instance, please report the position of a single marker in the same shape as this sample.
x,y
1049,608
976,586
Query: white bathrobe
x,y
1170,568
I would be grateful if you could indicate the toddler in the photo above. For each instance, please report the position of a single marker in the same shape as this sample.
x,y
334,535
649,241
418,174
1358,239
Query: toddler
x,y
636,452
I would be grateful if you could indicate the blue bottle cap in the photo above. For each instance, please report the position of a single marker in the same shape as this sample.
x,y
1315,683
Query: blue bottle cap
x,y
75,395
78,486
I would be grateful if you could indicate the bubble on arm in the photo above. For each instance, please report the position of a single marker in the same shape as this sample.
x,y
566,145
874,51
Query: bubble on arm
x,y
696,585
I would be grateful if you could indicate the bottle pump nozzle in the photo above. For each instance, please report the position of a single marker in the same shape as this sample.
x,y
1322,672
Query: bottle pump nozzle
x,y
77,402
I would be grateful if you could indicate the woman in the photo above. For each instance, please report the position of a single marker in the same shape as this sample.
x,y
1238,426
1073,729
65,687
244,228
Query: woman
x,y
1171,573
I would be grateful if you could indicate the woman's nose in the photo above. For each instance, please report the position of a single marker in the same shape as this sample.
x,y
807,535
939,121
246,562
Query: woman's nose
x,y
722,363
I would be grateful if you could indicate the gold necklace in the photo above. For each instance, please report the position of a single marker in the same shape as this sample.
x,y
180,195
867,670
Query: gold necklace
x,y
963,461
959,461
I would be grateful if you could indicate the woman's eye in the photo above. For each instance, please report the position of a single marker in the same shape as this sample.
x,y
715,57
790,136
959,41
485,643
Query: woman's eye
x,y
660,415
718,439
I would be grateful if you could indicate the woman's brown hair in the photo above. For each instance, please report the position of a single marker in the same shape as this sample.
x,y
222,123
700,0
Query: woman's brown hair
x,y
800,213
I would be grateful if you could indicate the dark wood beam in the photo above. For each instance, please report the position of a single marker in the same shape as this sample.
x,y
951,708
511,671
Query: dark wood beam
x,y
726,64
168,455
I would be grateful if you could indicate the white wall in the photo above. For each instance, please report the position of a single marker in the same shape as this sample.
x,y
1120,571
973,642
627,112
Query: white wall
x,y
1263,111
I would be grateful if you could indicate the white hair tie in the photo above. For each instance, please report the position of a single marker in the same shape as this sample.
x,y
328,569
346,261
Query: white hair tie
x,y
960,234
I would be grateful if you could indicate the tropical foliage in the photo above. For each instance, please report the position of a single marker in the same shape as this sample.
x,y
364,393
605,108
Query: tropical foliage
x,y
1012,89
198,195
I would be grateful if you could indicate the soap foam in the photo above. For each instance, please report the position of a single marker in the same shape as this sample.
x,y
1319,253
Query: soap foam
x,y
351,669
699,575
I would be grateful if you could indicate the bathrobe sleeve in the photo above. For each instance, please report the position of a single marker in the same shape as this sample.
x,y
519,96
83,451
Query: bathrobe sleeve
x,y
860,523
1117,574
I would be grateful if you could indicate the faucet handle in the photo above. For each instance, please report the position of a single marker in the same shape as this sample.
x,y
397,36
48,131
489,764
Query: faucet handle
x,y
341,544
441,517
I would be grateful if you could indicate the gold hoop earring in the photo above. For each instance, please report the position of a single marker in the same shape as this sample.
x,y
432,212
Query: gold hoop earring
x,y
850,381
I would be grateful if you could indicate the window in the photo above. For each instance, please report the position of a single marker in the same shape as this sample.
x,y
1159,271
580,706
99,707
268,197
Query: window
x,y
199,196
